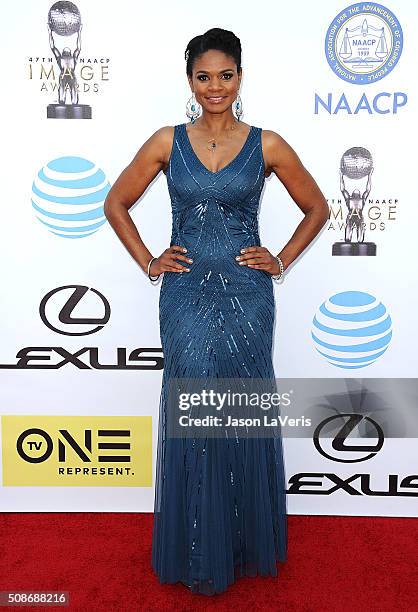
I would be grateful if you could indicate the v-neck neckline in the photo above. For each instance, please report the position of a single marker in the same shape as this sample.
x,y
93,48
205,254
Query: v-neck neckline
x,y
237,156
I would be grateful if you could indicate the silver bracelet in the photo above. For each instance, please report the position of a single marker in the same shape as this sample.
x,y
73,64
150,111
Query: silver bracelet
x,y
278,276
148,269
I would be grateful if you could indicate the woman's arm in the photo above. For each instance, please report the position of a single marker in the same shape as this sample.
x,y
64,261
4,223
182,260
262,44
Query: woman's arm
x,y
281,159
152,157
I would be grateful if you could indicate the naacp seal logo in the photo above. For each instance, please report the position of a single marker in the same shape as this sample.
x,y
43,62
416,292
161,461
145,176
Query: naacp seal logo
x,y
364,43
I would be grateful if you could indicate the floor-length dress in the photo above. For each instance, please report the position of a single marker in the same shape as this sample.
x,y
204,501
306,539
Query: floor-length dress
x,y
220,505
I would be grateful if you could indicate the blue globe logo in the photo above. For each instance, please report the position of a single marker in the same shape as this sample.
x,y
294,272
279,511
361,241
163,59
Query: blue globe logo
x,y
68,196
351,329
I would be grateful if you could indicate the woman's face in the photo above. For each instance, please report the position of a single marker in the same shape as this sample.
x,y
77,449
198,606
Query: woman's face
x,y
215,81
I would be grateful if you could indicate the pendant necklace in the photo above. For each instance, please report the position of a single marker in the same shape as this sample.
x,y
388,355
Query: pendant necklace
x,y
212,141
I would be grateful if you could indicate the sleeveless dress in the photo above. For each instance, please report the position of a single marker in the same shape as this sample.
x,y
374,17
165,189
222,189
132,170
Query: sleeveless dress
x,y
220,505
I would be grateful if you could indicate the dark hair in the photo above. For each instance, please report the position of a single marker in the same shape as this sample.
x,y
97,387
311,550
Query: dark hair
x,y
216,38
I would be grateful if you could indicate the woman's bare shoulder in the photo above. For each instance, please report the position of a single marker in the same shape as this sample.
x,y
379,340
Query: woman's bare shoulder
x,y
159,144
276,150
272,139
163,136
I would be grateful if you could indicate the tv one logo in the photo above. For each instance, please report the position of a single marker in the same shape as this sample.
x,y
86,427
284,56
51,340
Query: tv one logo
x,y
37,451
339,447
77,451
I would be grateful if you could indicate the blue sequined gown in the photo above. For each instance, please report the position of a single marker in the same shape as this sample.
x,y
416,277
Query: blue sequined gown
x,y
220,506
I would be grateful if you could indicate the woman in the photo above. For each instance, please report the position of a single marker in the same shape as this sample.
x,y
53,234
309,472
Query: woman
x,y
220,509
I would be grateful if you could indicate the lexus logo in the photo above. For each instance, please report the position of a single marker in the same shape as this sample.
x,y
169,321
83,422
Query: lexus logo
x,y
341,445
77,310
57,306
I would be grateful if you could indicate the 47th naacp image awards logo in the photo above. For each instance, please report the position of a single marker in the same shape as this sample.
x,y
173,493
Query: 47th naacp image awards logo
x,y
66,73
351,329
364,43
353,213
68,195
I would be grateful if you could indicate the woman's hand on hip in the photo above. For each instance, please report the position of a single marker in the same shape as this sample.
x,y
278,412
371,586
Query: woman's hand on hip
x,y
260,258
167,261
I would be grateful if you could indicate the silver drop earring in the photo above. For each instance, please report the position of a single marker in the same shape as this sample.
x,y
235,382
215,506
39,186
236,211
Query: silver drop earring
x,y
193,108
238,107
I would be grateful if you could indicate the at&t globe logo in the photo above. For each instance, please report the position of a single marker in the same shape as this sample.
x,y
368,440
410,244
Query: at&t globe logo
x,y
351,329
68,196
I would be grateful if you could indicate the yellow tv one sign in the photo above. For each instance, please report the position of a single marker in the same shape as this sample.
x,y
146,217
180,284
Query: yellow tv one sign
x,y
74,451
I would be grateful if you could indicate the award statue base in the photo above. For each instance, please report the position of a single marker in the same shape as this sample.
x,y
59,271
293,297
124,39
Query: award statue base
x,y
68,111
354,248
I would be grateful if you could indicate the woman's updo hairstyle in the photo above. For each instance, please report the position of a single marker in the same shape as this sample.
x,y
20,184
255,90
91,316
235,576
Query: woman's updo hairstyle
x,y
216,38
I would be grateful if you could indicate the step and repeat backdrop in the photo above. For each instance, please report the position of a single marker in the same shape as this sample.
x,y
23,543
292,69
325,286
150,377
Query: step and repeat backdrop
x,y
81,361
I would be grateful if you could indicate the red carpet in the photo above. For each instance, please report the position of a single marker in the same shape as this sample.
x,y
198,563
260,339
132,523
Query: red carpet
x,y
335,564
